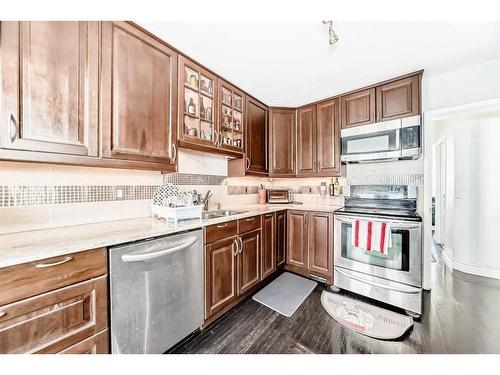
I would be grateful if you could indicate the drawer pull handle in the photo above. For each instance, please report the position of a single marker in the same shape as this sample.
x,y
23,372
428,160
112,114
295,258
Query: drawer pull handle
x,y
45,265
250,219
222,226
2,314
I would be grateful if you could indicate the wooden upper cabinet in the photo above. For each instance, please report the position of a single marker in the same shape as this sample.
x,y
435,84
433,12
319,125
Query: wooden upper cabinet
x,y
197,89
281,142
328,139
357,108
138,94
398,99
249,261
320,243
306,141
297,252
256,137
49,93
281,238
231,120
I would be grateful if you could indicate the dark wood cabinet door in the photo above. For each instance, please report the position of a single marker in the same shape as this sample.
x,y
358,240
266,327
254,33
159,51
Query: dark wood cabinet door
x,y
357,108
268,254
328,139
398,99
282,142
53,321
231,120
256,137
281,238
197,108
220,275
49,93
139,95
306,141
320,240
297,252
249,261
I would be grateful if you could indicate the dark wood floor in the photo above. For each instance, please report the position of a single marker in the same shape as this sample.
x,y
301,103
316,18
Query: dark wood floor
x,y
461,315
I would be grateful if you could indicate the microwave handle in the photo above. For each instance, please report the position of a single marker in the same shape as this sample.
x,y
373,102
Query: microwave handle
x,y
394,225
398,139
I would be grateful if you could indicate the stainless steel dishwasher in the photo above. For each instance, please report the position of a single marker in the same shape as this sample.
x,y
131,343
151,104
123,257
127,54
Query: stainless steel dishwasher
x,y
156,292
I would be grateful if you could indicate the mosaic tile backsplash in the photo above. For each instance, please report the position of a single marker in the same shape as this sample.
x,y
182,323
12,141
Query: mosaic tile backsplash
x,y
31,195
11,196
192,179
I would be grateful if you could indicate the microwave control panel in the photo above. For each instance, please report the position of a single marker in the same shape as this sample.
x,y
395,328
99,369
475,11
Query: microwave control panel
x,y
410,137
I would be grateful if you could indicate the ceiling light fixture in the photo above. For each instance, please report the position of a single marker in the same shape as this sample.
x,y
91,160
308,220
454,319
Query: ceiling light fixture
x,y
332,36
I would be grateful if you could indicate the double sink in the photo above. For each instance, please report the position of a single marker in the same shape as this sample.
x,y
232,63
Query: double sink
x,y
220,213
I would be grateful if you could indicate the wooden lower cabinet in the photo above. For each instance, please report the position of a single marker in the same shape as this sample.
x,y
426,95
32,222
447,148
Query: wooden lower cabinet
x,y
310,244
220,275
97,344
281,238
53,321
320,243
249,261
268,250
297,239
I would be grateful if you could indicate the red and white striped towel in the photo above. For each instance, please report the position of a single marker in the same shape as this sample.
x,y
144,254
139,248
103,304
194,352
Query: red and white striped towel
x,y
371,235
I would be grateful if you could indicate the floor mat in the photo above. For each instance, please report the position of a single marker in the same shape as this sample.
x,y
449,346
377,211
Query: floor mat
x,y
286,293
364,318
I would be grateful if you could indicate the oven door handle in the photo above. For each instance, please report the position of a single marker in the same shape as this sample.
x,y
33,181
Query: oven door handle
x,y
409,290
394,225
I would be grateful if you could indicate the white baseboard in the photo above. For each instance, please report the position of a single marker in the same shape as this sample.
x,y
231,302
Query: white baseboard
x,y
474,269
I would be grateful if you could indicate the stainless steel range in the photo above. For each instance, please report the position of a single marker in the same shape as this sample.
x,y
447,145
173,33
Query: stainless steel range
x,y
394,277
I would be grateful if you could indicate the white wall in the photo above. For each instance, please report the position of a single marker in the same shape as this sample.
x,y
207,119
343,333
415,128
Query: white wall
x,y
473,176
467,85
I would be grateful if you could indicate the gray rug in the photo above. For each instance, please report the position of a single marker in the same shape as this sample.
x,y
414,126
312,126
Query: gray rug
x,y
286,293
364,318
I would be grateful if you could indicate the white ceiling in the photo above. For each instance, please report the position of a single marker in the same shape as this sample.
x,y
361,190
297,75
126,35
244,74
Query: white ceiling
x,y
292,63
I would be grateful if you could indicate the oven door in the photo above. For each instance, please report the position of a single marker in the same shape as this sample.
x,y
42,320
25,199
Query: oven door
x,y
371,142
403,263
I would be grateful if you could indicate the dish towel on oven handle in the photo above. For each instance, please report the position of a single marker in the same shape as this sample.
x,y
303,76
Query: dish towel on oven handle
x,y
371,235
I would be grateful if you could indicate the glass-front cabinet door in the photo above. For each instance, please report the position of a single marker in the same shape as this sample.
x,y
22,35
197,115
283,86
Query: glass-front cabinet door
x,y
231,120
197,98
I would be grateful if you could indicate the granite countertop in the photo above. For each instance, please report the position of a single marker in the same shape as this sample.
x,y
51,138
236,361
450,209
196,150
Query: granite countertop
x,y
23,247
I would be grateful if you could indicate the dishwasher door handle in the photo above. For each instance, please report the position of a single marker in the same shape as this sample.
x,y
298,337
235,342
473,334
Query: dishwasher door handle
x,y
148,256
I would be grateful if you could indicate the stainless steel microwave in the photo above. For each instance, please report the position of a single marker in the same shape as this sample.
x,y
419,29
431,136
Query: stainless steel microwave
x,y
388,140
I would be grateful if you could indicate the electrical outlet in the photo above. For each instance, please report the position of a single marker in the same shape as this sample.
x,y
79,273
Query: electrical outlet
x,y
119,193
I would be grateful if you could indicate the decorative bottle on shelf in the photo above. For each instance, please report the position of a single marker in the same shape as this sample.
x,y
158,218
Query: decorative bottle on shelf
x,y
210,87
191,107
331,189
336,187
202,110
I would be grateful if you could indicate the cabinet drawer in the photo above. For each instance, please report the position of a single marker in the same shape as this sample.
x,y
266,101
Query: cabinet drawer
x,y
219,231
52,321
29,279
97,344
248,224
